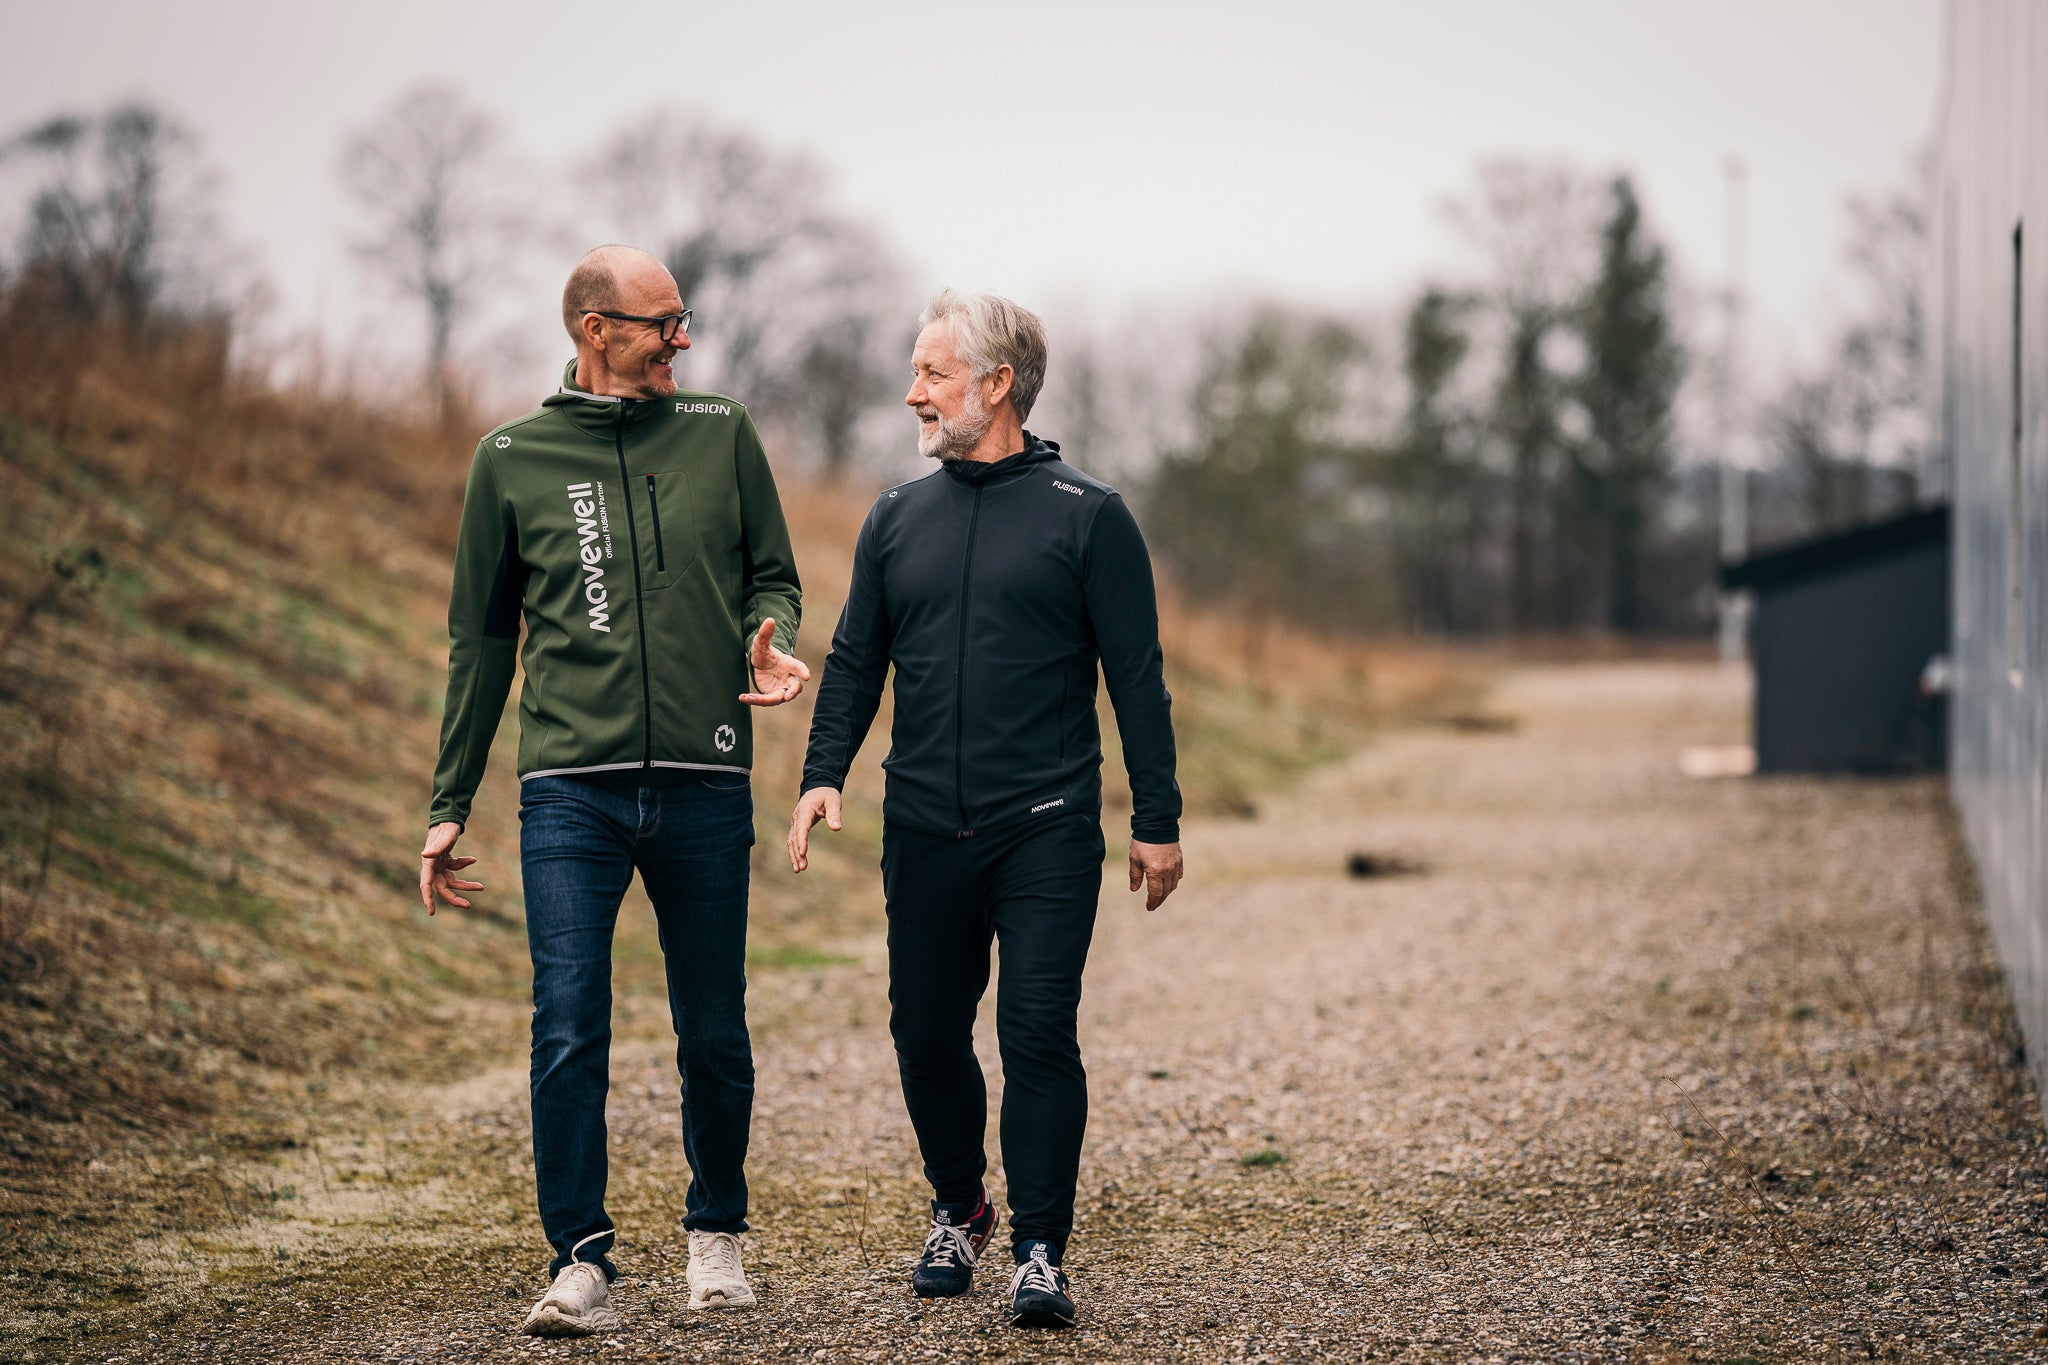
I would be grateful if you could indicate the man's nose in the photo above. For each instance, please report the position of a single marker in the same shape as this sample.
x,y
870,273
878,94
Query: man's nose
x,y
915,398
681,341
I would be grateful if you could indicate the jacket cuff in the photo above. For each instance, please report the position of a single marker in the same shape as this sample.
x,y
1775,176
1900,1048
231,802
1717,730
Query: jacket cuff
x,y
1150,833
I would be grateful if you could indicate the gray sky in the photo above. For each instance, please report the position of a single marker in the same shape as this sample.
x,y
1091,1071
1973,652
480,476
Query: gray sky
x,y
1191,153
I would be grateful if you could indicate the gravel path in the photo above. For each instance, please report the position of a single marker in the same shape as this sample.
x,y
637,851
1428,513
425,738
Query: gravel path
x,y
1601,1063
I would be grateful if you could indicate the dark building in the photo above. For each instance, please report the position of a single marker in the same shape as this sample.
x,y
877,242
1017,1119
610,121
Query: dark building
x,y
1845,626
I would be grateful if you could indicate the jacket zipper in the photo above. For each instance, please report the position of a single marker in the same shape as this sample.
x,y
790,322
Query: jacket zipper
x,y
654,508
639,606
960,673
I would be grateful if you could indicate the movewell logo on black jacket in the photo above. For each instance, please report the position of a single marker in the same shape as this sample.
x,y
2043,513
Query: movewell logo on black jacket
x,y
995,590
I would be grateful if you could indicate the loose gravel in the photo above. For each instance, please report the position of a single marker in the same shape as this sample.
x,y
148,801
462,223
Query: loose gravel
x,y
1595,1063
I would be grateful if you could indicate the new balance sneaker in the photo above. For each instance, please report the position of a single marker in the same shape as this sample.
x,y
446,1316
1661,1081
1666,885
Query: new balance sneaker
x,y
1039,1292
958,1233
576,1304
715,1277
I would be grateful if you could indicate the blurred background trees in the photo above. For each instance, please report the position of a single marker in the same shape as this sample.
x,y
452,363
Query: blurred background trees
x,y
1511,451
801,312
433,180
119,229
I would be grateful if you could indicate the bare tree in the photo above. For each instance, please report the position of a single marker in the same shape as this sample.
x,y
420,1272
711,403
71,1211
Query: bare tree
x,y
120,222
800,309
1848,434
431,175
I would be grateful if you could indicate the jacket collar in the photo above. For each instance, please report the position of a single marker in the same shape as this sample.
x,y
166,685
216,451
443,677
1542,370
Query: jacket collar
x,y
973,472
596,411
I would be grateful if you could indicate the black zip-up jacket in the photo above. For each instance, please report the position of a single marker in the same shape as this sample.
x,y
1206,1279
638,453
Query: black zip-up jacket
x,y
995,590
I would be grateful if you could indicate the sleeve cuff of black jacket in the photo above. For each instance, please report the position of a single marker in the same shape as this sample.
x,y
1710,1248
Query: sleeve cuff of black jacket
x,y
1155,834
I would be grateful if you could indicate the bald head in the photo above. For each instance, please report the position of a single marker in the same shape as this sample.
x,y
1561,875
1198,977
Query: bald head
x,y
606,280
630,353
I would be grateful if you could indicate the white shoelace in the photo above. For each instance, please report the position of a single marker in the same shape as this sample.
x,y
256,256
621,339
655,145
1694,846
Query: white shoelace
x,y
721,1255
1035,1274
563,1281
946,1245
590,1266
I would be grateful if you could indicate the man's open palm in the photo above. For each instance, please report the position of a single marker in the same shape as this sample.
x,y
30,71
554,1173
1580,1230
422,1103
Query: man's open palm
x,y
778,677
438,866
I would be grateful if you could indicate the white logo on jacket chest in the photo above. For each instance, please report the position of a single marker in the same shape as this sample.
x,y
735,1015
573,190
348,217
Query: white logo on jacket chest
x,y
594,543
721,409
1066,487
724,738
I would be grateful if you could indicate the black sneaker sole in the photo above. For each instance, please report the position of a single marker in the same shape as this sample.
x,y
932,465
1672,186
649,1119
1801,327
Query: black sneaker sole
x,y
1040,1313
920,1291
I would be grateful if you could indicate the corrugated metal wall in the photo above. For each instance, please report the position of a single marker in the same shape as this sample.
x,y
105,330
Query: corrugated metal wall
x,y
1988,335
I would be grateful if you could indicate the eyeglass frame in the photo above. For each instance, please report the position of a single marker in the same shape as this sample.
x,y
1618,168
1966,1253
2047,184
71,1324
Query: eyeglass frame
x,y
668,334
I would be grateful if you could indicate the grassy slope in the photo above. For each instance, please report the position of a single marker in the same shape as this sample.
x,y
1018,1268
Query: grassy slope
x,y
221,657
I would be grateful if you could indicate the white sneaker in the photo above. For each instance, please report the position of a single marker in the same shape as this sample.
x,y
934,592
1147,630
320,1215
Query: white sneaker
x,y
715,1277
576,1304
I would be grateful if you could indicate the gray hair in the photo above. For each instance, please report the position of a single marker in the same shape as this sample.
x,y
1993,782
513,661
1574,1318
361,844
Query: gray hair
x,y
989,331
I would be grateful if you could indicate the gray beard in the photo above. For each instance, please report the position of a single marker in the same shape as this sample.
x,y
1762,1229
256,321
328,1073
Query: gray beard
x,y
956,440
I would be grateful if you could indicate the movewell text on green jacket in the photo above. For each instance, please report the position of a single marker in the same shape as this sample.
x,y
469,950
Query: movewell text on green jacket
x,y
642,543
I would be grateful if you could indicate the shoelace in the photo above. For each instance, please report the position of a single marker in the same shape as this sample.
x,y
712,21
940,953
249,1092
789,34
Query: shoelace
x,y
591,1267
721,1255
946,1246
1035,1274
601,1232
561,1285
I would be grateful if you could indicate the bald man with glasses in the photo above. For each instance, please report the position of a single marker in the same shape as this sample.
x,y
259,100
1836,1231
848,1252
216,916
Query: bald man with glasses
x,y
635,533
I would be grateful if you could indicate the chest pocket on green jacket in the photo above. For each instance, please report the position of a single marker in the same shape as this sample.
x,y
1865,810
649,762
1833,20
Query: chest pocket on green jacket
x,y
667,525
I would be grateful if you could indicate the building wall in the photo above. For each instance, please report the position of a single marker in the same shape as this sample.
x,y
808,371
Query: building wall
x,y
1988,345
1835,694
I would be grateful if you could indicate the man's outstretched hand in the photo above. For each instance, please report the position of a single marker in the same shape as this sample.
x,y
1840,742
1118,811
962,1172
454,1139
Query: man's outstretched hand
x,y
778,677
816,804
1157,868
438,867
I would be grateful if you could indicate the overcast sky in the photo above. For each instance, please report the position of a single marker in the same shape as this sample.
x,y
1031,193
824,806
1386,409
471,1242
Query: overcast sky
x,y
1091,152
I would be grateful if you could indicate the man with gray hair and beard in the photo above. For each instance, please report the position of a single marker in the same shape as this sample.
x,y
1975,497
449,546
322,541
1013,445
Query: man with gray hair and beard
x,y
996,586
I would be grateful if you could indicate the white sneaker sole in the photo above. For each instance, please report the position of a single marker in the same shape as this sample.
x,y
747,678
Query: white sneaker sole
x,y
714,1299
553,1322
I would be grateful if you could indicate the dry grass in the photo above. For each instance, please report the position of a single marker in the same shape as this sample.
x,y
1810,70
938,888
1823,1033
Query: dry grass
x,y
222,650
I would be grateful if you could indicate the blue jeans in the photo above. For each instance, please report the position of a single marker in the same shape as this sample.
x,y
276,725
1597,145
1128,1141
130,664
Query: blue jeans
x,y
579,843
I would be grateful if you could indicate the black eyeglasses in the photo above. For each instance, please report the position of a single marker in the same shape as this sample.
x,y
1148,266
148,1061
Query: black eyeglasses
x,y
669,324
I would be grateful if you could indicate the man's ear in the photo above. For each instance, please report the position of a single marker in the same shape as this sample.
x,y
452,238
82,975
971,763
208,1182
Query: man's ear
x,y
592,328
1000,381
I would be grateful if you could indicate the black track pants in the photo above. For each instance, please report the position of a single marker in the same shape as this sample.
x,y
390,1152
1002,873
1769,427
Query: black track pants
x,y
1032,887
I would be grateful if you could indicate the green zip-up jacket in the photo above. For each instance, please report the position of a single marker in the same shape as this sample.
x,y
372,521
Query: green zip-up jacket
x,y
642,543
